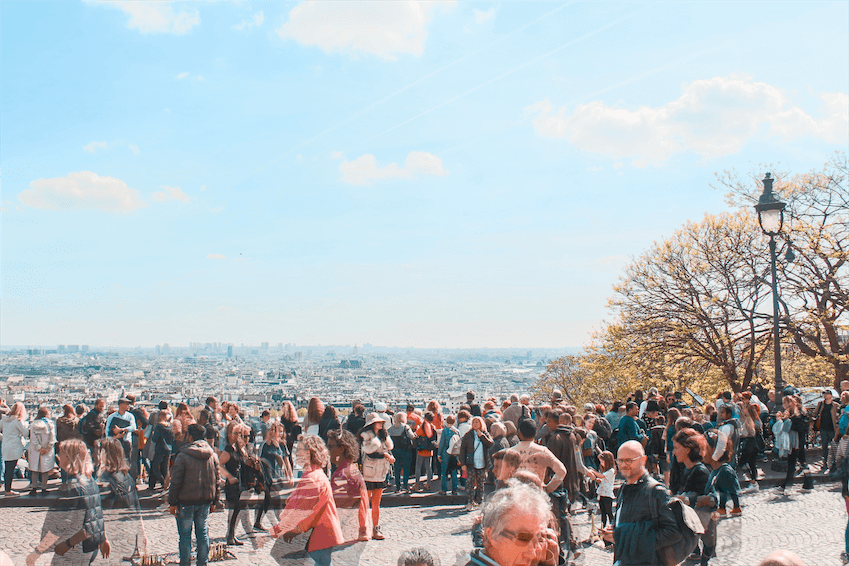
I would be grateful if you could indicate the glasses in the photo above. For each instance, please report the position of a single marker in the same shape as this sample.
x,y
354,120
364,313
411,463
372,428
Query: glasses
x,y
522,538
245,435
627,461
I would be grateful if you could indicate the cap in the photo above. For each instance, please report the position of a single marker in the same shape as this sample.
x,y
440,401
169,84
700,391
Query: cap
x,y
380,407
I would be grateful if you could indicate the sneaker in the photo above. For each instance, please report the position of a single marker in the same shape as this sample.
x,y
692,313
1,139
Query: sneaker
x,y
722,512
11,493
752,488
376,534
779,490
736,512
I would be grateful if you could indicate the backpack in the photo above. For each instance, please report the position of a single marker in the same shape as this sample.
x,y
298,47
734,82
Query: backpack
x,y
602,428
402,442
426,442
689,525
454,444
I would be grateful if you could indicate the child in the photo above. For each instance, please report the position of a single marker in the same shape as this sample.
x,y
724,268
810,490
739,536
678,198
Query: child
x,y
724,480
605,487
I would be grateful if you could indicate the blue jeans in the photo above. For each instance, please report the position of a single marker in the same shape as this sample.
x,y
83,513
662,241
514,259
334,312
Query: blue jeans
x,y
197,515
321,557
449,471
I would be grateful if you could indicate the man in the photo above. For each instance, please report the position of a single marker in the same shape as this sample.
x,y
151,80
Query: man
x,y
538,459
643,523
414,420
563,443
92,427
514,411
679,403
515,529
474,408
193,493
211,435
628,427
212,407
380,408
827,414
120,425
136,457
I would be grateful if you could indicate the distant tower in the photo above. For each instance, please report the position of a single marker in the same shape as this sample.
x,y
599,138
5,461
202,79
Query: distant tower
x,y
230,350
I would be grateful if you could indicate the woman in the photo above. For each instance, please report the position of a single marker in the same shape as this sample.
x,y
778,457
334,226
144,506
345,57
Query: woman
x,y
402,439
42,458
347,483
329,421
163,441
115,474
311,505
750,419
315,410
425,444
277,472
233,462
289,420
474,458
74,458
377,459
792,423
67,427
689,448
356,419
14,429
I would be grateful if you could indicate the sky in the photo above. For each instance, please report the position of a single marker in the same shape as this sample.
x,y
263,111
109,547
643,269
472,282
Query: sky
x,y
428,174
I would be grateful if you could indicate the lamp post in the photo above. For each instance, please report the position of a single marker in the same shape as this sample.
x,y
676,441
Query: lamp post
x,y
771,218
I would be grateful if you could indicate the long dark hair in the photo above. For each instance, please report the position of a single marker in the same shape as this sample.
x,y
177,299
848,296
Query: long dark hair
x,y
381,434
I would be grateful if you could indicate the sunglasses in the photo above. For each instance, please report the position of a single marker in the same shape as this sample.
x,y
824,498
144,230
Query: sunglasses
x,y
522,538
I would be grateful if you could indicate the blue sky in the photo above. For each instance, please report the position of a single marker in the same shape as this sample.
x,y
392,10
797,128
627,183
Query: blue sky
x,y
446,174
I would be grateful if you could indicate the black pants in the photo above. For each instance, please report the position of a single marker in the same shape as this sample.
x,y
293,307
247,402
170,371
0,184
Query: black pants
x,y
159,468
749,456
560,507
605,505
792,458
9,473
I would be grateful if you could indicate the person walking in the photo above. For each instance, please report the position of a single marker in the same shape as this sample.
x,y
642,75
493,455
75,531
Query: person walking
x,y
790,425
14,429
42,458
377,460
474,458
311,506
402,440
643,522
192,494
233,463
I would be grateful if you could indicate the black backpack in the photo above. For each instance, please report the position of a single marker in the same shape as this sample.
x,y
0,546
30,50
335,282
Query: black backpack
x,y
402,442
426,442
689,525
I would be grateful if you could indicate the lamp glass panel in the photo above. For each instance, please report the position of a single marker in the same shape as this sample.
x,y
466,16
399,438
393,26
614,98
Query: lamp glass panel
x,y
771,221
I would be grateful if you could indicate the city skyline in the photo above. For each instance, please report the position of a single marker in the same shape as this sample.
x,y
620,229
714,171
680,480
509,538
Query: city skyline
x,y
412,174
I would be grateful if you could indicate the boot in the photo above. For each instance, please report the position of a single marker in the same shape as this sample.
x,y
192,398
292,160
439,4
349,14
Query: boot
x,y
707,554
376,534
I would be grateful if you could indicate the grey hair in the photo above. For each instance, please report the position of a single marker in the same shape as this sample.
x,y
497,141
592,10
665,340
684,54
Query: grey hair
x,y
417,557
517,497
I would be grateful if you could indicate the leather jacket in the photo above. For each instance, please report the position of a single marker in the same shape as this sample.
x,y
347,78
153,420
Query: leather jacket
x,y
644,523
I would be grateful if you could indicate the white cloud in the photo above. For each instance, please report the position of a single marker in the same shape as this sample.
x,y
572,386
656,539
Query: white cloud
x,y
365,170
256,20
482,17
203,187
216,256
135,149
170,193
94,146
182,75
82,190
155,17
712,117
382,29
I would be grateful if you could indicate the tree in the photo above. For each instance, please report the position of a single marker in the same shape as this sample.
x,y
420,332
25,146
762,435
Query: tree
x,y
567,374
695,300
815,286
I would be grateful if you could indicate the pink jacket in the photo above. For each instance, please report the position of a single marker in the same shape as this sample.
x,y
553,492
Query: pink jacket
x,y
311,506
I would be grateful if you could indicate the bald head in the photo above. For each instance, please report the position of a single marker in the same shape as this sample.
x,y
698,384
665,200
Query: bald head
x,y
631,449
632,460
782,558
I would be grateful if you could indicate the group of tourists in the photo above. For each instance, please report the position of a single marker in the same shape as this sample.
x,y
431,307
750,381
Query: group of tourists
x,y
526,467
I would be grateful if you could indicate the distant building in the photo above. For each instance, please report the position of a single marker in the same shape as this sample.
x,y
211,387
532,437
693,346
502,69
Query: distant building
x,y
73,348
60,349
158,350
84,348
230,350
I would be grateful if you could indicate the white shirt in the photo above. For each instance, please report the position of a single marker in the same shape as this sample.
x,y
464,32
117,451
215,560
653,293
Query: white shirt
x,y
605,488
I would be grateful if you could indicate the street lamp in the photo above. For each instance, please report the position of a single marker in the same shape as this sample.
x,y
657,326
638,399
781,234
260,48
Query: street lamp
x,y
771,218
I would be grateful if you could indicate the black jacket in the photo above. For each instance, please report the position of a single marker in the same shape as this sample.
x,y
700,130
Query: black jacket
x,y
467,449
83,493
92,425
645,523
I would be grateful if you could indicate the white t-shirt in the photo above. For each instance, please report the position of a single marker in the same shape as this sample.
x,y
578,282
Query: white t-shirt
x,y
605,488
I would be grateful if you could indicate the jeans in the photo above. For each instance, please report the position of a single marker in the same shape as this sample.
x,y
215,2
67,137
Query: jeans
x,y
187,515
322,557
423,461
449,471
403,465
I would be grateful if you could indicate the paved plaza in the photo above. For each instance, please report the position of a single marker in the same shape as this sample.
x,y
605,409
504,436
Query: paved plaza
x,y
811,524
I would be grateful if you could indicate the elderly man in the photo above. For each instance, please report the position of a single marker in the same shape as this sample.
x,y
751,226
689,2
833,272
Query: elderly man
x,y
515,529
644,523
514,411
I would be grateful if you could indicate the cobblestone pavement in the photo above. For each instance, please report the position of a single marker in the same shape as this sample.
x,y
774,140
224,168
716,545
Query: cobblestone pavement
x,y
811,524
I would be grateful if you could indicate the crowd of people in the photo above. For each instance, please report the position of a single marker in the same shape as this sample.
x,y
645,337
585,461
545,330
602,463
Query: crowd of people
x,y
526,467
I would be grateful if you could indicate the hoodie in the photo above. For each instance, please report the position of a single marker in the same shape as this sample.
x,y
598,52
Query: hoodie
x,y
194,476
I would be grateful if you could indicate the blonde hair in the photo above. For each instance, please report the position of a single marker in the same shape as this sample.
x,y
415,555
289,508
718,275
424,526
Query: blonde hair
x,y
75,453
319,456
17,410
113,456
399,419
287,412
